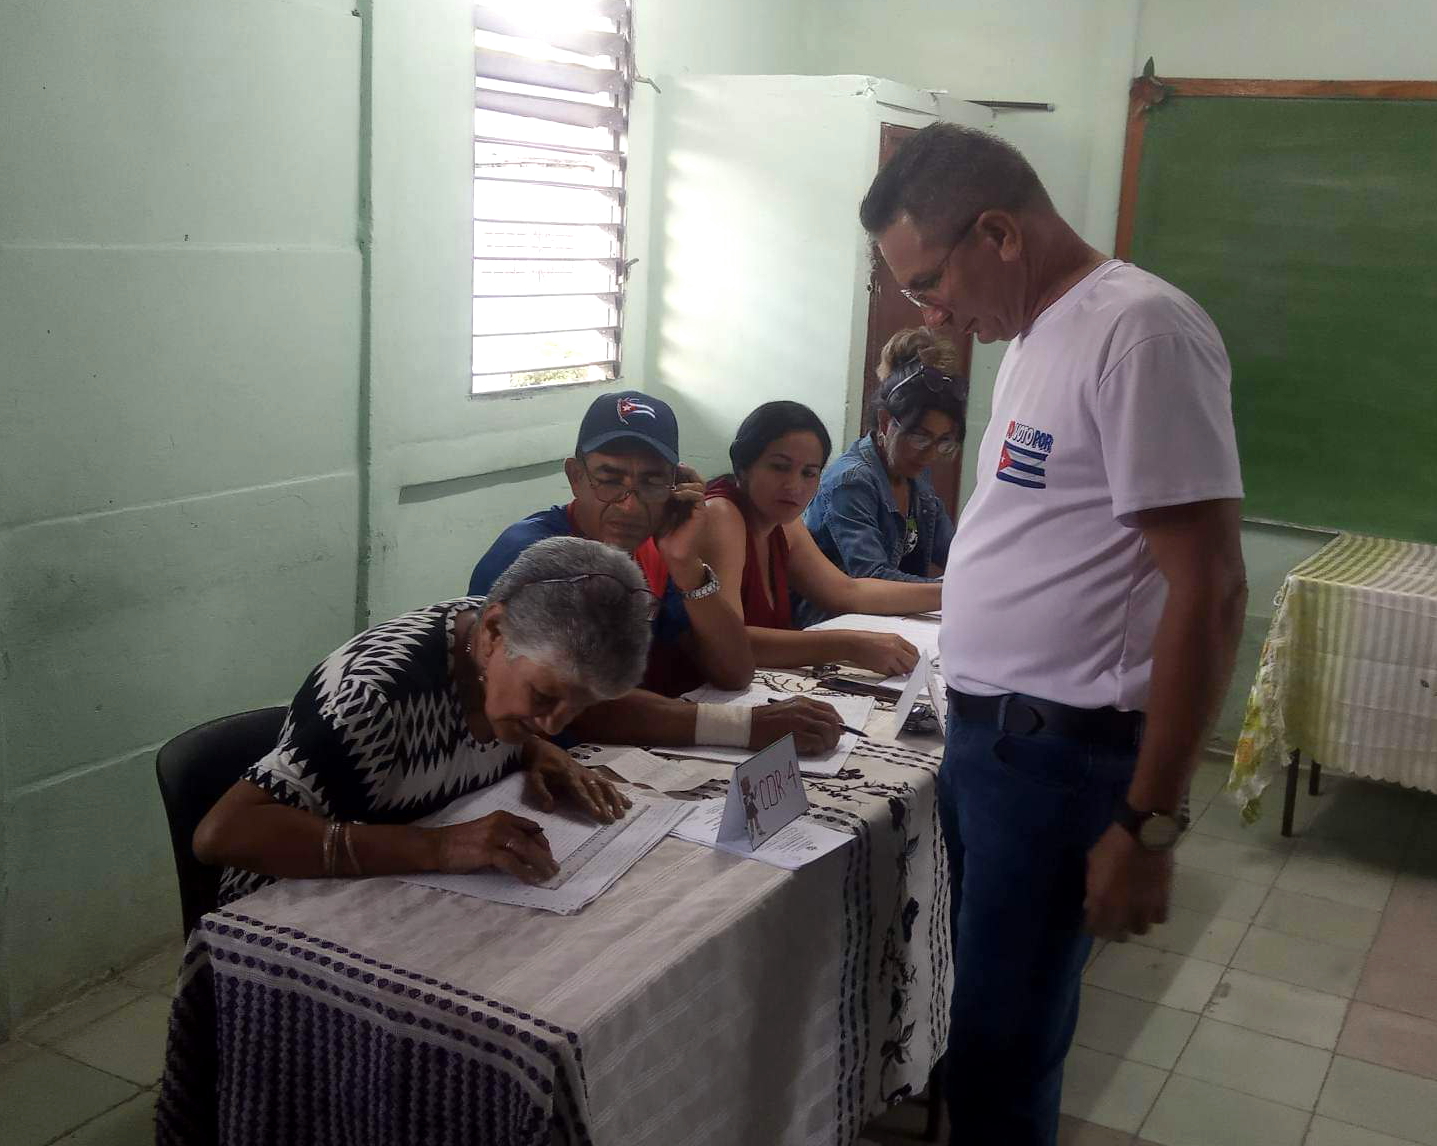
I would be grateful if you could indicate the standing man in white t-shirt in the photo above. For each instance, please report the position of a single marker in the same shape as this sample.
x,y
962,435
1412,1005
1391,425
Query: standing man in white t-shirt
x,y
1092,602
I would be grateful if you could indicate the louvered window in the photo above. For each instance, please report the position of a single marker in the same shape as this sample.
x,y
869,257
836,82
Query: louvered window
x,y
551,100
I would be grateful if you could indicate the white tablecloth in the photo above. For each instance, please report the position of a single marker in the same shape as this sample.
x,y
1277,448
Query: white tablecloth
x,y
704,999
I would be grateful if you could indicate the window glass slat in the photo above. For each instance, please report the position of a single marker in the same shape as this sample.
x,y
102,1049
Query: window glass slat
x,y
553,110
492,65
530,25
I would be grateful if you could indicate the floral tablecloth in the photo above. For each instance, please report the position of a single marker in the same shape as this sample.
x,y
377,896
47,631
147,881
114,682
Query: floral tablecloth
x,y
1348,674
704,999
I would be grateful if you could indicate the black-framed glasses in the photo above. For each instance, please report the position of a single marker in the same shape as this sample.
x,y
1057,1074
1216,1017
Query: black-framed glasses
x,y
922,297
650,490
652,601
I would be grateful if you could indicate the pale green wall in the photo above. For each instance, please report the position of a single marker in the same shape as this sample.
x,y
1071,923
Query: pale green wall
x,y
450,471
178,493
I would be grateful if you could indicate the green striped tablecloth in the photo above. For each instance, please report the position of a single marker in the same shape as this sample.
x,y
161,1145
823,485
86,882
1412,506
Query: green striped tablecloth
x,y
1348,673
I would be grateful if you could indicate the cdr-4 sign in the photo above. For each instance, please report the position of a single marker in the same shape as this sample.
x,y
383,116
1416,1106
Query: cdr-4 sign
x,y
765,795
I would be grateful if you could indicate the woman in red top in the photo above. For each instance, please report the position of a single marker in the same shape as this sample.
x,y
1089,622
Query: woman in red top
x,y
778,454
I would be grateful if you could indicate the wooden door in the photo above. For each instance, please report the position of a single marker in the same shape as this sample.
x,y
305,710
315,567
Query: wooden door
x,y
888,313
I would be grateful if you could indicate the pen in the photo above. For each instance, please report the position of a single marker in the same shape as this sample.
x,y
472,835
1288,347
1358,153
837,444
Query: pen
x,y
845,727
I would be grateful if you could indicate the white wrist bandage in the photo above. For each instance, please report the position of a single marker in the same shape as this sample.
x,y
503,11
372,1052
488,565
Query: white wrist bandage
x,y
724,724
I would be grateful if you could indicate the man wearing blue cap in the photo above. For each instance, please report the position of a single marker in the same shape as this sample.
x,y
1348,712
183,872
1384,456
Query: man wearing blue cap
x,y
631,491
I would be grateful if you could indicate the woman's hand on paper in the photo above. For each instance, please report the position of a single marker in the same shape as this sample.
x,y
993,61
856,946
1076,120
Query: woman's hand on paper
x,y
500,840
816,726
552,775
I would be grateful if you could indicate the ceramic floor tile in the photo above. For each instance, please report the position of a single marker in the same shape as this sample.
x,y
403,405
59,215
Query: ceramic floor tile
x,y
1175,981
1190,1112
159,971
1321,966
1105,1089
1364,809
1224,820
1324,920
1132,1028
13,1050
132,1124
1377,852
1392,983
1361,887
71,1017
43,1095
1241,861
1414,892
1209,893
1076,1132
1377,1098
1326,1132
1097,949
1276,1008
1193,933
129,1043
1209,780
1255,1064
1390,1038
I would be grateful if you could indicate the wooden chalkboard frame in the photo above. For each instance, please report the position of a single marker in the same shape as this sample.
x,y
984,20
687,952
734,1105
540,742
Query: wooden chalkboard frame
x,y
1148,90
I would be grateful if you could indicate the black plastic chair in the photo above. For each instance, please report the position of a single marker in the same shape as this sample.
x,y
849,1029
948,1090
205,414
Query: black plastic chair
x,y
195,769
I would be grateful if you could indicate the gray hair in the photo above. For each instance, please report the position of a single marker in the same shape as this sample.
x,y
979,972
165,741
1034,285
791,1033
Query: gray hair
x,y
944,176
593,629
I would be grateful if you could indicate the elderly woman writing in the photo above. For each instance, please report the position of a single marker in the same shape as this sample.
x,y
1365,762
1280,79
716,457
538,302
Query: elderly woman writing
x,y
415,712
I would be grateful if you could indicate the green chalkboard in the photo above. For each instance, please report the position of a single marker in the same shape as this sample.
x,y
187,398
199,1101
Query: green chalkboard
x,y
1307,228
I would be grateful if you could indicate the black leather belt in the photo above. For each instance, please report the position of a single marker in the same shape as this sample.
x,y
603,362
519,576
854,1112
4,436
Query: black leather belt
x,y
1026,715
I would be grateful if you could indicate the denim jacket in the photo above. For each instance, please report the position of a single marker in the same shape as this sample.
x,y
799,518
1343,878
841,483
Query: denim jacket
x,y
856,522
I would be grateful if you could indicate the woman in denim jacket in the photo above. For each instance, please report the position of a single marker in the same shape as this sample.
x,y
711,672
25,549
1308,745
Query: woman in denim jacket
x,y
876,513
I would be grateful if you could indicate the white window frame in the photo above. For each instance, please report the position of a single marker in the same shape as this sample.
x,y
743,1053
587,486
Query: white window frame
x,y
575,97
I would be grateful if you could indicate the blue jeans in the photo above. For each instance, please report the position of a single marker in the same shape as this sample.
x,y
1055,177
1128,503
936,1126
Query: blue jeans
x,y
1019,814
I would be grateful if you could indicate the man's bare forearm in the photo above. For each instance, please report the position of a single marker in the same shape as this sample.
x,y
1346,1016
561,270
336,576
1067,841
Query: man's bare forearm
x,y
1193,655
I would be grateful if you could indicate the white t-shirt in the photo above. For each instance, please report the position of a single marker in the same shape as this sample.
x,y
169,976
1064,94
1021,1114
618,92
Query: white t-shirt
x,y
1116,400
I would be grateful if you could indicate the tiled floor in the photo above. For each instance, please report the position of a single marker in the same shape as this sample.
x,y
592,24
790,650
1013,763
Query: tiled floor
x,y
1291,1000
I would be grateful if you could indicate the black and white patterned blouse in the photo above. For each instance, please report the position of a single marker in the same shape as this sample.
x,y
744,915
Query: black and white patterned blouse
x,y
377,733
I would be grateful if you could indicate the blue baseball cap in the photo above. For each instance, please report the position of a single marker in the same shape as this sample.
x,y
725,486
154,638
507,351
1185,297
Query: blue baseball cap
x,y
629,414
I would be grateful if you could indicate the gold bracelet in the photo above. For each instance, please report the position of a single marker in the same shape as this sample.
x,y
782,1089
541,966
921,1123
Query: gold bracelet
x,y
350,852
331,834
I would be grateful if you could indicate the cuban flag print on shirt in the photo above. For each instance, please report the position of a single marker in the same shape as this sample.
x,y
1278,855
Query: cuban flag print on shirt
x,y
1024,456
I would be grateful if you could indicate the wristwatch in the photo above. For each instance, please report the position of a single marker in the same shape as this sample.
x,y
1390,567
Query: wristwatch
x,y
1156,831
706,588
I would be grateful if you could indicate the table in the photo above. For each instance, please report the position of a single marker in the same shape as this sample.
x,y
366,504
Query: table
x,y
1348,673
704,999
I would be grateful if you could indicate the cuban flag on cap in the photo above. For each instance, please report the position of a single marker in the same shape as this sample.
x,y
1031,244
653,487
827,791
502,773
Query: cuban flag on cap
x,y
1023,459
628,406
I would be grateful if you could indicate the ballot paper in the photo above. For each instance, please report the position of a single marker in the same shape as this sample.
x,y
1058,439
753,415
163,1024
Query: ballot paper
x,y
567,831
591,857
800,843
918,629
854,711
640,767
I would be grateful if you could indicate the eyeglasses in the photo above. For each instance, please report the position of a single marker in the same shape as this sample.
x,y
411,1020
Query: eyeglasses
x,y
922,441
651,490
652,601
923,296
